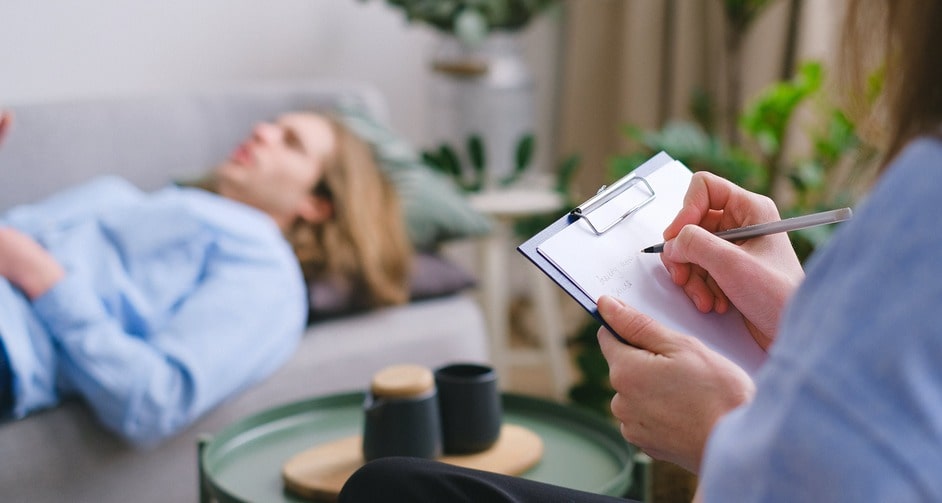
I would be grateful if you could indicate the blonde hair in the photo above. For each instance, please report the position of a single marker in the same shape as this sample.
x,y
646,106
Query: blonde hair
x,y
363,247
900,41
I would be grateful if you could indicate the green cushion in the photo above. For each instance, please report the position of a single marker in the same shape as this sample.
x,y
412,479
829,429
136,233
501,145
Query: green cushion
x,y
435,208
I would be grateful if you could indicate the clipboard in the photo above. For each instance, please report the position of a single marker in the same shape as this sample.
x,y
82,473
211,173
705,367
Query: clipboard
x,y
530,250
629,197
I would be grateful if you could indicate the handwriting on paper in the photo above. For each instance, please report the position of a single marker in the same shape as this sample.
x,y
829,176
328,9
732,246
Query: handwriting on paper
x,y
611,263
616,278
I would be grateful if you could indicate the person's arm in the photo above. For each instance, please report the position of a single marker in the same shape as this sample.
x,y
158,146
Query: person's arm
x,y
670,388
757,277
76,203
239,325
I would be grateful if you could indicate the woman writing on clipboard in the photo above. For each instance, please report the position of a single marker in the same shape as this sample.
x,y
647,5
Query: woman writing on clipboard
x,y
848,406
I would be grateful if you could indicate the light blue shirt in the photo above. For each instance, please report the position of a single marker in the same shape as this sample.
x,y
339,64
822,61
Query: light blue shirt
x,y
172,301
849,405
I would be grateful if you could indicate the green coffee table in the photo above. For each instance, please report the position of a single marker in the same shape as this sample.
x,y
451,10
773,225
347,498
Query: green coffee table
x,y
243,461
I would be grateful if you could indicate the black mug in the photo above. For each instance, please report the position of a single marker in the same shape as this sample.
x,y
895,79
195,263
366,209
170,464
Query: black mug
x,y
401,414
470,406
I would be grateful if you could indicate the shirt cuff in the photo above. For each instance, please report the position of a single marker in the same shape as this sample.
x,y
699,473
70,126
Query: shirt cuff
x,y
67,305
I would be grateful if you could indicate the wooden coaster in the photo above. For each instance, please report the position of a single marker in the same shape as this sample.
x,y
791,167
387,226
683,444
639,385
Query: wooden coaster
x,y
320,472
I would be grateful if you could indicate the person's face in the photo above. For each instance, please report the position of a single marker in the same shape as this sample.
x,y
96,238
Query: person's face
x,y
278,165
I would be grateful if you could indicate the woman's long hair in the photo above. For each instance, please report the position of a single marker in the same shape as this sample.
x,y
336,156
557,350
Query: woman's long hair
x,y
900,41
363,248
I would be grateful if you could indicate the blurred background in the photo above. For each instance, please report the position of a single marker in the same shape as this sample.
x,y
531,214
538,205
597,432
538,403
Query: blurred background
x,y
596,65
575,91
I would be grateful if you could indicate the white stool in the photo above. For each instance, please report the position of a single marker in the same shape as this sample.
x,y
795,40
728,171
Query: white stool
x,y
506,206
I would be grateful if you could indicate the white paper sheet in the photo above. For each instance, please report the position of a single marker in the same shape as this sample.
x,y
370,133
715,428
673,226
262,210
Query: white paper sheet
x,y
612,264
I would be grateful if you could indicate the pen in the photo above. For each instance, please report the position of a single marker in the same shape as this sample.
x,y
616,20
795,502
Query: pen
x,y
789,224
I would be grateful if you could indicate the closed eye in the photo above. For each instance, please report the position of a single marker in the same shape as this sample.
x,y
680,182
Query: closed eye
x,y
292,141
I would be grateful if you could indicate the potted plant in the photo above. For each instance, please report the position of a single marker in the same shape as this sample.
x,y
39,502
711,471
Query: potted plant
x,y
481,85
472,20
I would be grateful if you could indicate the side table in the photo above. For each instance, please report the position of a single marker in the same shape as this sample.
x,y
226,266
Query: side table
x,y
505,207
242,462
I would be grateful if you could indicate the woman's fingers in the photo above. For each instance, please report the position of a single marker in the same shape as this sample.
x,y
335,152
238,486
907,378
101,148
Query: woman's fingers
x,y
6,122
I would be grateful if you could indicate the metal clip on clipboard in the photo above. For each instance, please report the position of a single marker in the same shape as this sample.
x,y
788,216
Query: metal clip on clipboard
x,y
606,194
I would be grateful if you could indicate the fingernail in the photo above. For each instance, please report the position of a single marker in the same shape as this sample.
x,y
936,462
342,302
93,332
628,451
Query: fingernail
x,y
696,300
606,299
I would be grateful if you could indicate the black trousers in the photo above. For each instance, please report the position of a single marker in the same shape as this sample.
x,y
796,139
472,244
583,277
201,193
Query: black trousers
x,y
416,480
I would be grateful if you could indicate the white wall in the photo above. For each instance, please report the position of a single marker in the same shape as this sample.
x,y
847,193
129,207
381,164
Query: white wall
x,y
60,49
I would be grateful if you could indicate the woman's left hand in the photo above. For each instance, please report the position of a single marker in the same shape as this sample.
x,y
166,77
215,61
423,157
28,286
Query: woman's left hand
x,y
670,388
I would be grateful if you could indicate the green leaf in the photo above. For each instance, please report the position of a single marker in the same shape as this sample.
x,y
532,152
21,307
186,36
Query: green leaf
x,y
433,160
449,161
633,132
566,171
477,153
524,152
767,119
620,166
469,19
522,156
806,176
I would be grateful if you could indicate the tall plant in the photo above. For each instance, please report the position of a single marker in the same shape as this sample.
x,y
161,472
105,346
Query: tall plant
x,y
818,179
470,20
739,15
472,178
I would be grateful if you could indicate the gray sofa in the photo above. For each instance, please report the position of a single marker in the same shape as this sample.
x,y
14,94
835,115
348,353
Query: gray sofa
x,y
62,454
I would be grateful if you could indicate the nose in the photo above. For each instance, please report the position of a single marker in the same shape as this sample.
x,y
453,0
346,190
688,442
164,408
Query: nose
x,y
265,132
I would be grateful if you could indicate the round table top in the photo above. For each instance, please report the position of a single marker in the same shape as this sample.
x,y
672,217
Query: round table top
x,y
243,462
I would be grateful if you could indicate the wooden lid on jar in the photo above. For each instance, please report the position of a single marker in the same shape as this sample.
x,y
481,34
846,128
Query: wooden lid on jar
x,y
399,381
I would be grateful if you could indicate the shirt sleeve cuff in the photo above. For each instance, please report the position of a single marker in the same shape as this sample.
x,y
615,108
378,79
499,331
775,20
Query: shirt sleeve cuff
x,y
67,305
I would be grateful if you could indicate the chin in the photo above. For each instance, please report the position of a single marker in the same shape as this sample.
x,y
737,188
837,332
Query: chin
x,y
231,171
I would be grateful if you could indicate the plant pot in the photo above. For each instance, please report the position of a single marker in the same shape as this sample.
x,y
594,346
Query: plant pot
x,y
485,89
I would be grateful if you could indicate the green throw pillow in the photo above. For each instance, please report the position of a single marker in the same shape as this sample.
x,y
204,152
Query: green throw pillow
x,y
435,209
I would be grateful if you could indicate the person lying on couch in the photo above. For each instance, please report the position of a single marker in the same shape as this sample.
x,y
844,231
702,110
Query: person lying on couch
x,y
154,307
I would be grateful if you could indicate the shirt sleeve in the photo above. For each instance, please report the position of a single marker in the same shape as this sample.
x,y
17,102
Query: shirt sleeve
x,y
240,324
849,405
74,204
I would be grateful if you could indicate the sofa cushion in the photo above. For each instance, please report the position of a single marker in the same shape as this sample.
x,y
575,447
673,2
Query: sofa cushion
x,y
432,276
434,207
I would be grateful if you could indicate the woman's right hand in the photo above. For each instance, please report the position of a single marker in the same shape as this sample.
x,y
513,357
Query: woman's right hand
x,y
757,276
26,264
6,119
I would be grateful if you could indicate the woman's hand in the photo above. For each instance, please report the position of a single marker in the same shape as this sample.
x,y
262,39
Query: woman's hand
x,y
670,388
26,264
757,276
6,121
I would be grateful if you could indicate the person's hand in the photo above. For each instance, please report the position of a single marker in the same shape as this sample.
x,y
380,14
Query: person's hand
x,y
6,121
670,388
757,277
26,264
